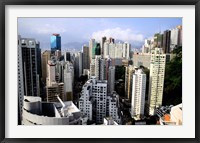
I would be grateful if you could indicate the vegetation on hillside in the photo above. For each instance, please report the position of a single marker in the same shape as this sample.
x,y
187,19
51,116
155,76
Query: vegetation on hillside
x,y
172,94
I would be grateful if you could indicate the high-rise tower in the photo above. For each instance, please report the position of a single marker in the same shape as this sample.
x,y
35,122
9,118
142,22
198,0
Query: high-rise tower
x,y
55,42
156,79
138,94
28,70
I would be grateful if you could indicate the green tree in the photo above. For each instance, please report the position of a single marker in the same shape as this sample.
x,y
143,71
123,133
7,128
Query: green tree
x,y
173,79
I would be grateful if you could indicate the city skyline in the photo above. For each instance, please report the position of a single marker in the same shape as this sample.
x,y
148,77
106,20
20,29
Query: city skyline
x,y
77,31
105,83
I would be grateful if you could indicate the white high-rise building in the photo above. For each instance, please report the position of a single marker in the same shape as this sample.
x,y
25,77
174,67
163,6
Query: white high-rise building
x,y
138,94
106,50
174,38
91,46
99,92
68,81
113,107
111,79
119,50
85,101
126,50
156,79
93,98
51,72
111,50
79,64
146,46
95,104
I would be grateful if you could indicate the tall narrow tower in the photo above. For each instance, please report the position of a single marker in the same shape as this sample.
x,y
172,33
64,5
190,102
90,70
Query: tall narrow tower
x,y
28,69
156,80
55,42
138,94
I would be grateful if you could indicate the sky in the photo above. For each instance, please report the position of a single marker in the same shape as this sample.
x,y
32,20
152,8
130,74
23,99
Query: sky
x,y
80,30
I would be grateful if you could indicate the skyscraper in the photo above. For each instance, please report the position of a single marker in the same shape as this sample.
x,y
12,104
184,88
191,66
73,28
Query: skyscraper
x,y
96,50
99,92
51,72
55,42
158,40
92,68
106,50
111,79
67,56
180,35
166,41
118,50
29,65
174,38
58,54
85,51
128,81
108,64
138,94
95,104
68,81
156,80
113,107
126,50
103,40
45,57
86,101
100,68
80,56
28,73
78,64
93,99
91,45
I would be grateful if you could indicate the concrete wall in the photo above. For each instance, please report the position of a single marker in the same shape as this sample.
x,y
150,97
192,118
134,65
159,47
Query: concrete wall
x,y
43,120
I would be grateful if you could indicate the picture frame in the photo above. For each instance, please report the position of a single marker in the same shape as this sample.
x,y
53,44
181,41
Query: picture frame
x,y
3,5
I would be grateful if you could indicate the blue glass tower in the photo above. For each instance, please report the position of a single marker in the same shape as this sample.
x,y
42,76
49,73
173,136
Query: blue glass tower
x,y
55,42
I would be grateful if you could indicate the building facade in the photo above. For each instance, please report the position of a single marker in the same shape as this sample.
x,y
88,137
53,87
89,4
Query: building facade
x,y
85,51
138,94
128,81
45,58
113,107
36,112
55,42
156,79
111,79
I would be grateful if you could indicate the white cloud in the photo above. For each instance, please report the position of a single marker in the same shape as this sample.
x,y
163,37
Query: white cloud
x,y
48,29
120,34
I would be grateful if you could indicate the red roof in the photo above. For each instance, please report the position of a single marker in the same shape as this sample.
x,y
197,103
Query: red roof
x,y
55,34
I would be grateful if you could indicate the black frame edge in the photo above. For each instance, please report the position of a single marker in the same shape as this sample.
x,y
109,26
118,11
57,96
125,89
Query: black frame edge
x,y
197,69
2,71
101,2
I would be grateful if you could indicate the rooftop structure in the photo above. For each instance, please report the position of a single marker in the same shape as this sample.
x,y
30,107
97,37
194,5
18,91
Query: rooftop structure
x,y
109,121
36,112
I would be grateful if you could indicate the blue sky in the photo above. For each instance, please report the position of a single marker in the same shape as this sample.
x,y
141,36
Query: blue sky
x,y
133,30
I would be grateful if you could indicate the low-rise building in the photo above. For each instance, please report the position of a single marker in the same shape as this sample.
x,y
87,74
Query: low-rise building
x,y
36,112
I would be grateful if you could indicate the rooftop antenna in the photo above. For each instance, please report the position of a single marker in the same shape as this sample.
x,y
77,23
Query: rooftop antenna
x,y
63,105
